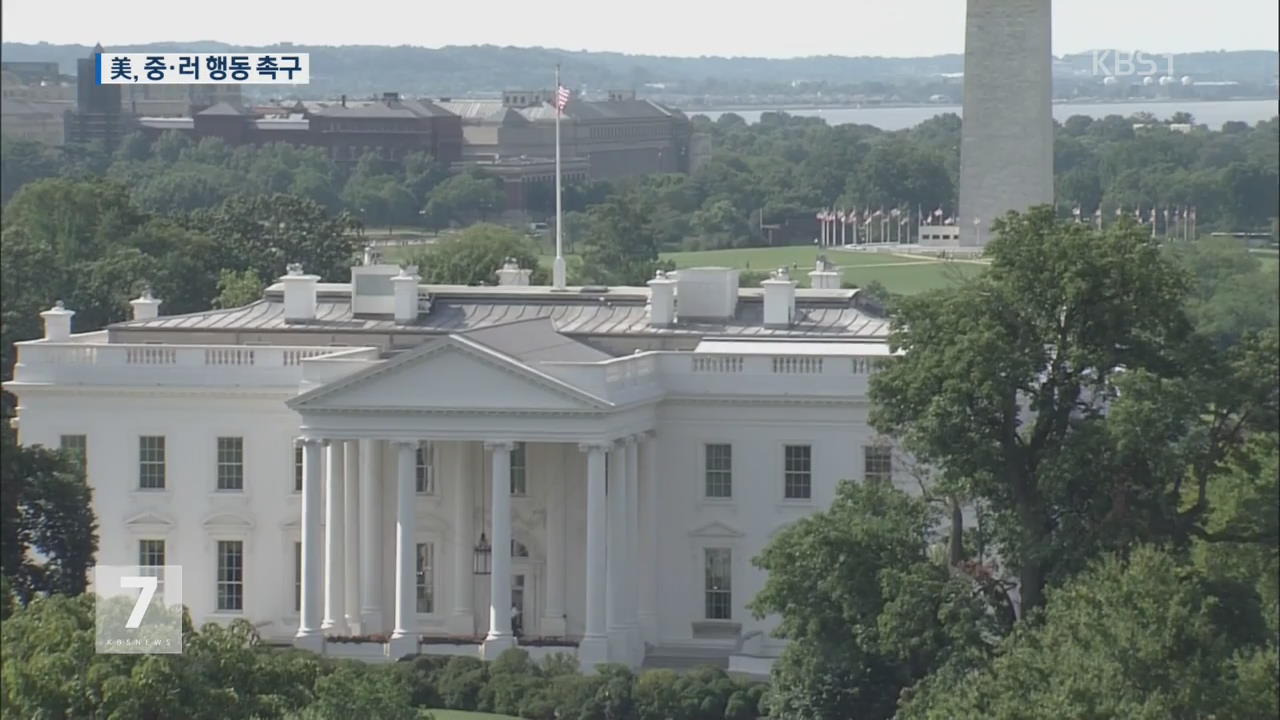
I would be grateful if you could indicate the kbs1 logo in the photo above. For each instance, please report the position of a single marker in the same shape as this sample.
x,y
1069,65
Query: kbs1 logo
x,y
1120,63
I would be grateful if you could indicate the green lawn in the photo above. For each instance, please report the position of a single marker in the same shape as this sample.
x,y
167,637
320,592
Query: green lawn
x,y
776,257
464,715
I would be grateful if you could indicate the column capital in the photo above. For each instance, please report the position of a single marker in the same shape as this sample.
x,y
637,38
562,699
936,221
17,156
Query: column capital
x,y
309,440
402,442
587,447
504,445
647,434
628,440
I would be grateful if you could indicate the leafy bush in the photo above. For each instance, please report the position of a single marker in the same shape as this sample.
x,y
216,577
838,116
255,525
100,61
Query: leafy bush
x,y
461,682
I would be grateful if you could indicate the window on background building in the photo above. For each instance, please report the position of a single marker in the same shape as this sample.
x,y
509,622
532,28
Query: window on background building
x,y
297,577
719,582
877,463
230,575
426,578
151,562
425,480
151,463
797,472
297,466
518,475
719,470
230,463
77,446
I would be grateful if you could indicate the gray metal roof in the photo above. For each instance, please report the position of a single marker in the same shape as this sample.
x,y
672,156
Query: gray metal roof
x,y
454,309
535,339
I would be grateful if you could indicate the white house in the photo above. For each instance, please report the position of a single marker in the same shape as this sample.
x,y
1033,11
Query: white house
x,y
384,456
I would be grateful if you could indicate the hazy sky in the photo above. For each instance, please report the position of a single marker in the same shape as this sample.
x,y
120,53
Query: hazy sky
x,y
765,28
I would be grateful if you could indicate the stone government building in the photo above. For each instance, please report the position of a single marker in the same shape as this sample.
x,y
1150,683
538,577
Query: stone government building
x,y
513,137
445,465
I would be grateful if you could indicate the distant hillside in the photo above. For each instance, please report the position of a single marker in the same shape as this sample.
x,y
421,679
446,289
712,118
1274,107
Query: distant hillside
x,y
487,69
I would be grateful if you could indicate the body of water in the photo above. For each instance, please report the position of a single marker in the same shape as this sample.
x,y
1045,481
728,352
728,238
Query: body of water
x,y
1212,113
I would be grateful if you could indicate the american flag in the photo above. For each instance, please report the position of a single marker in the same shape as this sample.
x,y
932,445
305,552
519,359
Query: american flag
x,y
562,97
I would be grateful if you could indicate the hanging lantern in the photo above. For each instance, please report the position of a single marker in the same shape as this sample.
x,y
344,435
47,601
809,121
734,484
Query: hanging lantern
x,y
483,560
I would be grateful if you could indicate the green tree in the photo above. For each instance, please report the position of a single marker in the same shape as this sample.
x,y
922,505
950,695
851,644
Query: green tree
x,y
867,611
1145,637
45,508
475,255
237,289
264,233
1064,390
22,162
1232,293
621,246
465,198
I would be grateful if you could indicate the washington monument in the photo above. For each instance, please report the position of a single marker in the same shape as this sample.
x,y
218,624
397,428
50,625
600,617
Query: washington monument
x,y
1006,144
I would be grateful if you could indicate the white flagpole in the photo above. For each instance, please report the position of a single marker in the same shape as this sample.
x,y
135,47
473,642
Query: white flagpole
x,y
557,269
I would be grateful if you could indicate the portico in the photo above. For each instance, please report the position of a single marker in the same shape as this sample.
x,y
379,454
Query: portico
x,y
450,485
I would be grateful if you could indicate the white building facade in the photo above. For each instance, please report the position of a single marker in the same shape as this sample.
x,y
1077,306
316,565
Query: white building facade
x,y
468,468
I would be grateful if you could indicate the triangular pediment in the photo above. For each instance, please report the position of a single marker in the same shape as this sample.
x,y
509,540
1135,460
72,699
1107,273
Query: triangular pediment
x,y
227,521
148,520
716,529
452,373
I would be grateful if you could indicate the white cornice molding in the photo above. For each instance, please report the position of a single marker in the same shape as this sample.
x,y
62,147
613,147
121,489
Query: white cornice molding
x,y
233,393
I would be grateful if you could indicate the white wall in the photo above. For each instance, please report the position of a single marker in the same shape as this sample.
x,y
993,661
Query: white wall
x,y
687,522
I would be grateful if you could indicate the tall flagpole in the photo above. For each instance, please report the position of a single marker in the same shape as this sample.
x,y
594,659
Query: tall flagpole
x,y
557,268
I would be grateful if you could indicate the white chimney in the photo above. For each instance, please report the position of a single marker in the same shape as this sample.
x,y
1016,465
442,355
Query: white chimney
x,y
511,274
405,289
662,300
709,293
145,307
779,299
824,276
57,322
299,294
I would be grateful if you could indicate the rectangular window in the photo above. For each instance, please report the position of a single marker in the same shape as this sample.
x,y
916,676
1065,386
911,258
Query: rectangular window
x,y
426,579
425,469
77,446
297,577
877,463
797,472
230,463
518,475
719,470
297,466
230,575
151,462
151,562
719,583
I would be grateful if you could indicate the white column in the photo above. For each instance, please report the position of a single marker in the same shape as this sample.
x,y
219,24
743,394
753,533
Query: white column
x,y
593,649
462,621
351,534
406,609
648,595
617,551
371,537
500,637
631,587
309,619
552,623
335,563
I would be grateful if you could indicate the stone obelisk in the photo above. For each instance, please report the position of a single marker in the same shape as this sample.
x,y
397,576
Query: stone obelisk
x,y
1006,145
